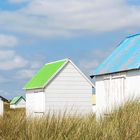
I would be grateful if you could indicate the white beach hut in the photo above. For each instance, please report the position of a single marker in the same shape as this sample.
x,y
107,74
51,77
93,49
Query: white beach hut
x,y
1,107
58,87
18,102
118,77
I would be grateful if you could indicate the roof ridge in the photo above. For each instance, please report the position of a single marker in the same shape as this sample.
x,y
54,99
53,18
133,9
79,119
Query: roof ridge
x,y
133,35
16,99
57,61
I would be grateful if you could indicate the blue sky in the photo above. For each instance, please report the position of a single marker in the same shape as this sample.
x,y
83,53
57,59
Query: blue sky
x,y
34,32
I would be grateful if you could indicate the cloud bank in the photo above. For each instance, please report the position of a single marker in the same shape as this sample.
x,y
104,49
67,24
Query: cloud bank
x,y
17,1
64,18
8,41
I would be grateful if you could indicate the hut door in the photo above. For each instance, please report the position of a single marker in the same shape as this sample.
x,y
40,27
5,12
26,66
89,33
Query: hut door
x,y
114,91
107,86
39,103
118,90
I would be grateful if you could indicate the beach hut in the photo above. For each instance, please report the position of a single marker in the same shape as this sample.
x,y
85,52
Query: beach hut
x,y
1,107
18,102
4,99
59,87
118,77
3,103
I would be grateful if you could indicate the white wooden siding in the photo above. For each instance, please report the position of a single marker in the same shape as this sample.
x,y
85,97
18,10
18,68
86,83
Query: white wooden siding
x,y
124,88
1,107
21,103
73,95
133,84
12,106
70,92
35,103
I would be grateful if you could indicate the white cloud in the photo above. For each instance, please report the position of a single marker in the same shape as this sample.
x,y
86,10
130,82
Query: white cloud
x,y
8,41
36,65
53,18
97,56
30,25
9,59
28,72
66,18
25,73
8,54
3,79
14,63
93,15
17,1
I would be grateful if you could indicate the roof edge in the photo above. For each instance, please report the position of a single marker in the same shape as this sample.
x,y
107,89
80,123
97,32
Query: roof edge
x,y
82,74
21,97
57,61
133,35
42,87
113,72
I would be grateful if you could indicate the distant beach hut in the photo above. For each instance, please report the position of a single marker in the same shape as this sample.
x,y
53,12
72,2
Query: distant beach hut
x,y
18,102
58,87
1,107
4,99
118,77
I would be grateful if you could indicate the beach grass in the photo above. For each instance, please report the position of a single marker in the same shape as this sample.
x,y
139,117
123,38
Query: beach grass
x,y
122,124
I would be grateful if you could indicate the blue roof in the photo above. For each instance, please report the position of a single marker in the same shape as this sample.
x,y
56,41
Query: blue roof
x,y
125,57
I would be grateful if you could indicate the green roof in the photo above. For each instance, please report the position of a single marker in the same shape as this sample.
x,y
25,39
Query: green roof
x,y
45,74
16,99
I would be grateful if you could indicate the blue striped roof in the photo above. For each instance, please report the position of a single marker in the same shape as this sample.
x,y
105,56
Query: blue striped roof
x,y
125,57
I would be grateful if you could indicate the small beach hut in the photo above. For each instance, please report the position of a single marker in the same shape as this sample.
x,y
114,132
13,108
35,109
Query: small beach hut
x,y
18,102
1,107
118,77
59,87
4,99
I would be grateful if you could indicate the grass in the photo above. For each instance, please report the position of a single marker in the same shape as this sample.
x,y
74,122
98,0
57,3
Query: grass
x,y
122,124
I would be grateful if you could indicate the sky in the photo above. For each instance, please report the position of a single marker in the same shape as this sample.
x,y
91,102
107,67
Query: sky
x,y
35,32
